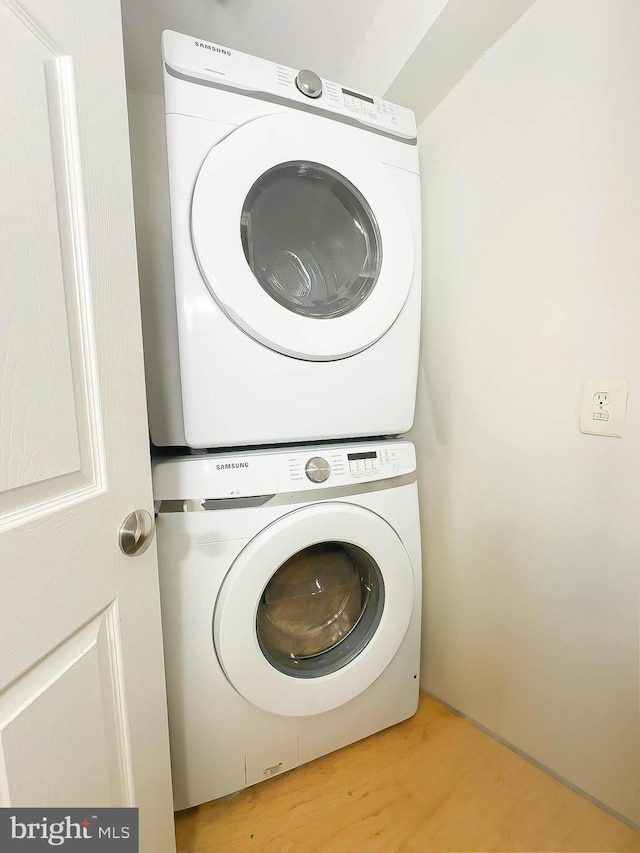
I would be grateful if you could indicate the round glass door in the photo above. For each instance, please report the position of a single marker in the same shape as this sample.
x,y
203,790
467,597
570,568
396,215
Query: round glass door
x,y
320,609
313,609
302,237
311,240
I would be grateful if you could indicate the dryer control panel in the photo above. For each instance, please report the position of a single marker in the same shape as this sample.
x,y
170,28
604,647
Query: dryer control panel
x,y
211,64
253,473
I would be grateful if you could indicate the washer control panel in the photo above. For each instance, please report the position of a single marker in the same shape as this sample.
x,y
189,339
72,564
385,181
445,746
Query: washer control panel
x,y
344,465
284,470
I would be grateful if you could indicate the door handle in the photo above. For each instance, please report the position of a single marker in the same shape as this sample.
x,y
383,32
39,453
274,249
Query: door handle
x,y
136,533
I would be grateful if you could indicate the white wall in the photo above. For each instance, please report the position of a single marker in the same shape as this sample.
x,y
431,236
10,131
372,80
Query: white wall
x,y
412,52
388,39
450,45
531,530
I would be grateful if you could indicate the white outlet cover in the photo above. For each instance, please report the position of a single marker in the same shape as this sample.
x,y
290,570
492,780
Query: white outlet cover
x,y
604,406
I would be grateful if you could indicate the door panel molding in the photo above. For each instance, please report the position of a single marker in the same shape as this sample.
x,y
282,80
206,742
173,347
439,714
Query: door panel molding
x,y
52,454
38,742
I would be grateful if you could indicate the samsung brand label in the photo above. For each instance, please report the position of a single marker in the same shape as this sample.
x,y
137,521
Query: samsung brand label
x,y
212,47
225,466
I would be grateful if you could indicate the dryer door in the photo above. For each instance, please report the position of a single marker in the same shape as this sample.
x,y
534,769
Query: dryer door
x,y
313,609
303,241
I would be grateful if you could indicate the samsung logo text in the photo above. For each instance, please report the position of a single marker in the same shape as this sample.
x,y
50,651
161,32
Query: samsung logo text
x,y
212,47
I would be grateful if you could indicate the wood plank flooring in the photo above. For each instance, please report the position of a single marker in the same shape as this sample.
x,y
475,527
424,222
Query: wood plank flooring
x,y
434,783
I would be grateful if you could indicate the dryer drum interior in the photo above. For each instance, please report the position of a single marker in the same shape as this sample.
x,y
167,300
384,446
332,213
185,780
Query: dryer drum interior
x,y
311,239
320,609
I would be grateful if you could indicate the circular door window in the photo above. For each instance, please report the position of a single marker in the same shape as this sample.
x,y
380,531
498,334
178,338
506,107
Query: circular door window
x,y
320,609
313,609
311,240
301,236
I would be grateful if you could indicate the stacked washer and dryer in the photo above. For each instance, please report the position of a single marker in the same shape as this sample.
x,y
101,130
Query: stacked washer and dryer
x,y
282,361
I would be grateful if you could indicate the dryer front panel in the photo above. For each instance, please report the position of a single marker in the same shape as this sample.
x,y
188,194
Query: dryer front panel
x,y
301,237
313,609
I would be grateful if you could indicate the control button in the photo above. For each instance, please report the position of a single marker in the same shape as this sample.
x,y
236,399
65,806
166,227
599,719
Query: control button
x,y
309,83
317,469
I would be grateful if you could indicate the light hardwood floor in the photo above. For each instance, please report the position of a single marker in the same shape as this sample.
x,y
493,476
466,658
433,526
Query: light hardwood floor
x,y
432,783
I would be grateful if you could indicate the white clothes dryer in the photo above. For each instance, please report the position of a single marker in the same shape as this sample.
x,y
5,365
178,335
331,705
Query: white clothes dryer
x,y
291,588
295,215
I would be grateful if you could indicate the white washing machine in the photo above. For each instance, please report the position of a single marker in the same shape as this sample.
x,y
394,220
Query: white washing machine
x,y
295,208
291,584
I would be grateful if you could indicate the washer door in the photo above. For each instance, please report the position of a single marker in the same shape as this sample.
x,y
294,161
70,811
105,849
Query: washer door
x,y
313,609
304,243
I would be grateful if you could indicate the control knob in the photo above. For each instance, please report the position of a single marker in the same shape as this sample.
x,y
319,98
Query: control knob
x,y
317,469
309,83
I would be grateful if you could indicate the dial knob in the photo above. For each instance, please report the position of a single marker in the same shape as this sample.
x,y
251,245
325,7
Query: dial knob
x,y
309,83
317,469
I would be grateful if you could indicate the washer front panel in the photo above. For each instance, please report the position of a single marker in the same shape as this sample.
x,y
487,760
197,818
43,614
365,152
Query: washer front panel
x,y
225,180
234,624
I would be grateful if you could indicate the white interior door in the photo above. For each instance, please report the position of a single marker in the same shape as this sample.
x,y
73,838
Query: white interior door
x,y
82,701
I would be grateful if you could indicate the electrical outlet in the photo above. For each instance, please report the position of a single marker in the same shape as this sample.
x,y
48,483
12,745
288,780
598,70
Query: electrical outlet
x,y
604,406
